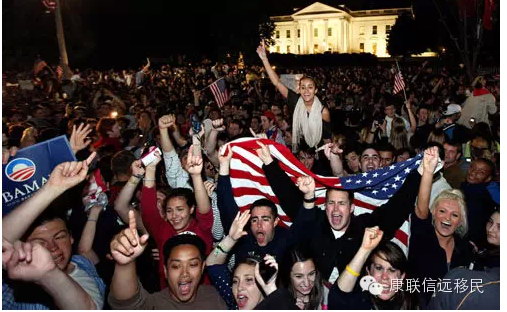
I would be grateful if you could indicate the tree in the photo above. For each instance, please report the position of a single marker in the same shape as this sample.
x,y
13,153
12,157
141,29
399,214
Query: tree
x,y
266,31
465,22
405,37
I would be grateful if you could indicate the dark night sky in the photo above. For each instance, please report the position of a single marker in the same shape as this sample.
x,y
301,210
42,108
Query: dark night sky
x,y
124,32
120,32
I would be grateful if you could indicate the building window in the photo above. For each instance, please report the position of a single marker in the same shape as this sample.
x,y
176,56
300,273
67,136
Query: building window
x,y
388,29
288,33
329,31
361,30
374,49
277,49
299,33
315,48
299,49
277,34
374,30
315,32
288,49
361,47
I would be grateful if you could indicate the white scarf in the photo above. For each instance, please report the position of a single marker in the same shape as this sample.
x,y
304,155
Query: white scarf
x,y
308,126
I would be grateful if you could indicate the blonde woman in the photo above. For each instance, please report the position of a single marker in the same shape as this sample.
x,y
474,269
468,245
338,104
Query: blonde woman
x,y
436,240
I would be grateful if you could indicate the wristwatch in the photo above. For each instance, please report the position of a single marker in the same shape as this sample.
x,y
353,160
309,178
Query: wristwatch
x,y
309,201
139,176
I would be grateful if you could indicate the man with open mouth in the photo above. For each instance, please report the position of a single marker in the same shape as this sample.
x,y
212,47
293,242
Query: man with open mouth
x,y
184,256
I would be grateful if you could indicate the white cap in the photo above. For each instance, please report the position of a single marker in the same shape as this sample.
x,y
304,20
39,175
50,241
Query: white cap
x,y
452,109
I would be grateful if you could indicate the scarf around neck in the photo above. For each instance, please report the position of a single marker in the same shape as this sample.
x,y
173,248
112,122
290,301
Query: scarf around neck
x,y
307,125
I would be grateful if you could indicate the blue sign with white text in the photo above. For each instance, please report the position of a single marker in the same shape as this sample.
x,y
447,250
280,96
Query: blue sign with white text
x,y
29,170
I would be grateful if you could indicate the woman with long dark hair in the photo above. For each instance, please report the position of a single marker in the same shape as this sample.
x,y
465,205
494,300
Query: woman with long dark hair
x,y
386,265
311,120
489,256
302,280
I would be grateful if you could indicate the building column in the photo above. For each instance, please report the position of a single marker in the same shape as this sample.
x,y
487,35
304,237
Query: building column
x,y
325,35
345,36
339,35
310,36
304,40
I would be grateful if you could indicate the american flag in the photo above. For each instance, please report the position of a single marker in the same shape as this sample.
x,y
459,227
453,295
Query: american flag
x,y
372,189
399,83
219,90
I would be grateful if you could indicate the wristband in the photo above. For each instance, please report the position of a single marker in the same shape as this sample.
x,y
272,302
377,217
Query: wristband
x,y
309,201
139,176
133,182
149,179
349,269
221,249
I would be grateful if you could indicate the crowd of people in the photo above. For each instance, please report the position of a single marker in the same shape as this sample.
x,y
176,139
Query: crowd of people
x,y
168,234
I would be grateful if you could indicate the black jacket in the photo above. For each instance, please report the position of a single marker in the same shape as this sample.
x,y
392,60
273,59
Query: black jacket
x,y
427,260
283,239
327,251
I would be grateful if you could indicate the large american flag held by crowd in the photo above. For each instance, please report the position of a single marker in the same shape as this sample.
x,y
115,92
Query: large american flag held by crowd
x,y
220,92
372,189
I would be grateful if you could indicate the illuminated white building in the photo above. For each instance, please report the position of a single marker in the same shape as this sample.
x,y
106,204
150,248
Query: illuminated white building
x,y
319,27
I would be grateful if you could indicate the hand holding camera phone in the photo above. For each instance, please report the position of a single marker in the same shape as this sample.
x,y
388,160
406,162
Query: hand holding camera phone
x,y
266,272
150,156
196,124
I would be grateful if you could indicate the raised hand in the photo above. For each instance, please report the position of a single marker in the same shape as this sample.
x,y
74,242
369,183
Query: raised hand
x,y
78,140
371,238
261,51
69,174
210,187
331,150
137,168
194,162
153,165
7,153
306,185
225,155
237,228
430,159
264,153
270,285
127,245
166,121
27,262
218,124
408,104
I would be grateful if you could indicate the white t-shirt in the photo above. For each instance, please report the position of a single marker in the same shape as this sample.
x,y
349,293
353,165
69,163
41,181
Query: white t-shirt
x,y
89,285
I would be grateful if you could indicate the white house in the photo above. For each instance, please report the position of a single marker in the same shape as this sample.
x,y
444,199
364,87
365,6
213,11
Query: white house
x,y
319,27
